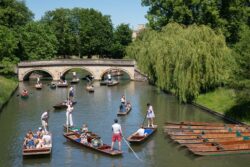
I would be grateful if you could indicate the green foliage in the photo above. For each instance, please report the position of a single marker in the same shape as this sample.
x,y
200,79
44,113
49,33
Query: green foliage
x,y
8,66
227,15
8,43
14,13
38,42
7,87
183,60
242,54
122,38
80,31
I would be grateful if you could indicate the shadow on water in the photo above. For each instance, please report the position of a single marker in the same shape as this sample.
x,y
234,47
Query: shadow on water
x,y
38,160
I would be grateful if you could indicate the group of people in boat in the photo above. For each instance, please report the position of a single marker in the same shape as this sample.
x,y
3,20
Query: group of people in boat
x,y
40,139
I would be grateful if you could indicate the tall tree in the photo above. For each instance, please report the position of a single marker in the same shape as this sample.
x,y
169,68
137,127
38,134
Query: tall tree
x,y
183,60
38,42
122,38
227,15
14,13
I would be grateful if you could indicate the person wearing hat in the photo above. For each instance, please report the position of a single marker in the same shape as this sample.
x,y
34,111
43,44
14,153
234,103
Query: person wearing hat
x,y
150,115
44,120
117,134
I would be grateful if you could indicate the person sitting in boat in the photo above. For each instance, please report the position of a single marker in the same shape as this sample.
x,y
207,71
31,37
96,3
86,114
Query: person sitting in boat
x,y
30,143
25,92
97,142
84,138
128,106
84,128
123,104
71,93
141,131
39,133
46,140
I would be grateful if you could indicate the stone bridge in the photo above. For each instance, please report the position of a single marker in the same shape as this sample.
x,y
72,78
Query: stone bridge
x,y
96,67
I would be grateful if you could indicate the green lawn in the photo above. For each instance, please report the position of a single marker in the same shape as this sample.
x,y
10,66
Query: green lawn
x,y
220,100
6,88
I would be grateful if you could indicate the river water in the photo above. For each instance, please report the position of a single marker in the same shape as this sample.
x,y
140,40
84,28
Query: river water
x,y
98,110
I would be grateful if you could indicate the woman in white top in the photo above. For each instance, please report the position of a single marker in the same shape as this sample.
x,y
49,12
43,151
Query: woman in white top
x,y
150,115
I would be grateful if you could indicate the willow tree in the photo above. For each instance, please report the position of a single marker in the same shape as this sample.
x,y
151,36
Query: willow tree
x,y
183,60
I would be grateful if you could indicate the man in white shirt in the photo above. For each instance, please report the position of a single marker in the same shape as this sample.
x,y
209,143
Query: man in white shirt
x,y
44,120
117,134
141,131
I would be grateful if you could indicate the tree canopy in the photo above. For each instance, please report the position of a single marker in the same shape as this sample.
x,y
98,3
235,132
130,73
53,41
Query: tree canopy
x,y
183,60
227,15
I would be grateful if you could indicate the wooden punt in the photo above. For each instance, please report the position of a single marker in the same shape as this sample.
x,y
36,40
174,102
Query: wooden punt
x,y
200,141
27,152
90,88
205,144
37,151
199,123
222,149
104,82
39,86
24,95
210,136
179,128
172,132
119,113
201,126
52,85
134,138
106,149
62,85
113,83
204,133
63,105
74,81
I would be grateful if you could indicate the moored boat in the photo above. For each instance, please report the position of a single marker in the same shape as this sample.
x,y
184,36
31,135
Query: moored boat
x,y
62,84
149,131
128,109
74,80
63,105
112,83
103,148
90,88
39,86
189,123
104,82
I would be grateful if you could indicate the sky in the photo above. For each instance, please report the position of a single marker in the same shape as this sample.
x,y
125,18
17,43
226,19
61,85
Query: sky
x,y
121,11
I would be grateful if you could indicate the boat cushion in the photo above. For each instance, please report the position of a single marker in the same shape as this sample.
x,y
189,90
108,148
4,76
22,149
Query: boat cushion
x,y
148,131
78,140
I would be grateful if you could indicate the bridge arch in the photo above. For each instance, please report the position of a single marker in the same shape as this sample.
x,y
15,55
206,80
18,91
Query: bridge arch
x,y
70,68
116,68
29,72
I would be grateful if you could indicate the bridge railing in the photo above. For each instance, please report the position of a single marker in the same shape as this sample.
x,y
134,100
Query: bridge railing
x,y
62,62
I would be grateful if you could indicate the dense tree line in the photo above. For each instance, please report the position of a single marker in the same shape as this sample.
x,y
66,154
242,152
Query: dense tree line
x,y
227,15
60,33
183,60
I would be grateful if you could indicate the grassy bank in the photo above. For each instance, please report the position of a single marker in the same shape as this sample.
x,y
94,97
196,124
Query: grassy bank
x,y
7,86
231,103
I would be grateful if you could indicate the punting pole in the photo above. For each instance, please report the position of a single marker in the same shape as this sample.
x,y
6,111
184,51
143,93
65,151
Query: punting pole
x,y
132,150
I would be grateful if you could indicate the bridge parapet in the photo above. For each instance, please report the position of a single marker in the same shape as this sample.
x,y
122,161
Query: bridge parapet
x,y
77,62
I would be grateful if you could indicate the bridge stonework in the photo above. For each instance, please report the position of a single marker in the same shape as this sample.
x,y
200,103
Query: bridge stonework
x,y
97,67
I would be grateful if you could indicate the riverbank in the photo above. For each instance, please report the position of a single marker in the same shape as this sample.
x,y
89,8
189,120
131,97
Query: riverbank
x,y
227,102
8,86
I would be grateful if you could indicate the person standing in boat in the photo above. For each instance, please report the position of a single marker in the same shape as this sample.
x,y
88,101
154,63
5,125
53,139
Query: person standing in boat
x,y
123,104
109,77
71,93
44,120
150,115
117,134
69,119
38,80
74,75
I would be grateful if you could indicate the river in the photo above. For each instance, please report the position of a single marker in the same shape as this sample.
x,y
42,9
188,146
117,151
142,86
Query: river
x,y
98,110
